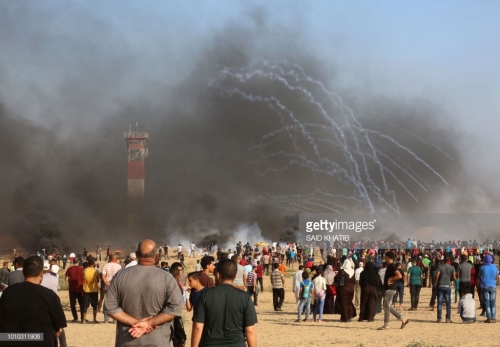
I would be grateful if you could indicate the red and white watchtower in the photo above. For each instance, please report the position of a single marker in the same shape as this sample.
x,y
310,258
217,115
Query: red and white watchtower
x,y
137,151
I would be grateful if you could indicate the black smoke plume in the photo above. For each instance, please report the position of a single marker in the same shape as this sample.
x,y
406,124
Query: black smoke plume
x,y
64,174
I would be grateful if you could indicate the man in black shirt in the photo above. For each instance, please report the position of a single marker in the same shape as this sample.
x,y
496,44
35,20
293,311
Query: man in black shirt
x,y
229,302
390,278
42,313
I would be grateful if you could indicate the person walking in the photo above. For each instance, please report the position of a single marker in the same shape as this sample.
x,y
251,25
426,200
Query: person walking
x,y
278,284
390,278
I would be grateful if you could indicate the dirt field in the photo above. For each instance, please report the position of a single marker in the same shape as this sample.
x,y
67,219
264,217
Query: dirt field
x,y
279,329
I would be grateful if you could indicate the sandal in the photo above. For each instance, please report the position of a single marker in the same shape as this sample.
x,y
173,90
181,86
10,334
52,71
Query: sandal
x,y
405,323
382,328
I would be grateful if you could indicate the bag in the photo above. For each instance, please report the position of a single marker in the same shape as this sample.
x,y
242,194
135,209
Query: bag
x,y
340,281
331,289
306,288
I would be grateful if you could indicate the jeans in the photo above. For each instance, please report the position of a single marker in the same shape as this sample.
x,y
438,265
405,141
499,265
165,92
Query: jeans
x,y
415,295
388,309
73,298
318,307
489,301
307,303
400,289
444,295
278,297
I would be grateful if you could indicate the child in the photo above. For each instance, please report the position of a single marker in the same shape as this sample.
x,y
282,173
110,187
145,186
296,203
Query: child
x,y
467,309
305,294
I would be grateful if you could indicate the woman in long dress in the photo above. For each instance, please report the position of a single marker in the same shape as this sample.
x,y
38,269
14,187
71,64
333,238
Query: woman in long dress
x,y
345,293
329,306
369,280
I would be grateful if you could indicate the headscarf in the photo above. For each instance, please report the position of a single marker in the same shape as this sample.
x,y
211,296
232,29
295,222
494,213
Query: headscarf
x,y
329,275
370,274
488,259
348,267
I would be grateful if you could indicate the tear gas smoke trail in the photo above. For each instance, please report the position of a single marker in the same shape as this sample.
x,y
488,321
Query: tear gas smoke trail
x,y
334,129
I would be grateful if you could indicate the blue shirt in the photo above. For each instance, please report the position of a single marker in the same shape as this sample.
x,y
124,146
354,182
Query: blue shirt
x,y
306,293
292,255
488,275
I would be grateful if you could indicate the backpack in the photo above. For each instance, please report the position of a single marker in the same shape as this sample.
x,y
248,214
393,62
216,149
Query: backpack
x,y
306,288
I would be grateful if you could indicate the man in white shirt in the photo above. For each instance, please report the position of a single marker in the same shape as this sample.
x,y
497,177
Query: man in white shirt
x,y
230,255
193,246
179,251
297,279
133,259
49,279
357,288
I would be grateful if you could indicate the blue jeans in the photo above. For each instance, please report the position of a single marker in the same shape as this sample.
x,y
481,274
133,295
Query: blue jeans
x,y
400,290
318,307
307,303
489,301
444,294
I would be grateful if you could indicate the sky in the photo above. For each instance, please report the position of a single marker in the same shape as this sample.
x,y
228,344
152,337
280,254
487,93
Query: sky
x,y
444,50
78,66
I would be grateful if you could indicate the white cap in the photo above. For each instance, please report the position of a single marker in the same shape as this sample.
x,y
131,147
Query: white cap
x,y
46,265
132,255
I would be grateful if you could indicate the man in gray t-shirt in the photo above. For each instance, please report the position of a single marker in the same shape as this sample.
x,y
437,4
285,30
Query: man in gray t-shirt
x,y
464,273
445,274
140,292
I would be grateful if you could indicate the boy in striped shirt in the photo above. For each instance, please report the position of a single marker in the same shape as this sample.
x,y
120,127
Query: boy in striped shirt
x,y
252,288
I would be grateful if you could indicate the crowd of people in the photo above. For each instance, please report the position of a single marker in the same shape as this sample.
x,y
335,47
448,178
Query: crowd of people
x,y
146,302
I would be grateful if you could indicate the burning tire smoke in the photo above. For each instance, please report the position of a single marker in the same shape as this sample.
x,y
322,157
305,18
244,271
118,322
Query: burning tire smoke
x,y
239,140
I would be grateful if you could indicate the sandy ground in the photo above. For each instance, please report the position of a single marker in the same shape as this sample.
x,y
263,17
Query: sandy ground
x,y
279,329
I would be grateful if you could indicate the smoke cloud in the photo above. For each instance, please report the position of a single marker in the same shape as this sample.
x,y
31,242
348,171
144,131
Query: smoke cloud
x,y
62,151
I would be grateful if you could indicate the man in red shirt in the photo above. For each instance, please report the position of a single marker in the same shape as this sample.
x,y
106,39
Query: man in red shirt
x,y
259,270
74,276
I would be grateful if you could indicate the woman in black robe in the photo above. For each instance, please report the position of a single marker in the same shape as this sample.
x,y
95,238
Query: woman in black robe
x,y
345,293
370,283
